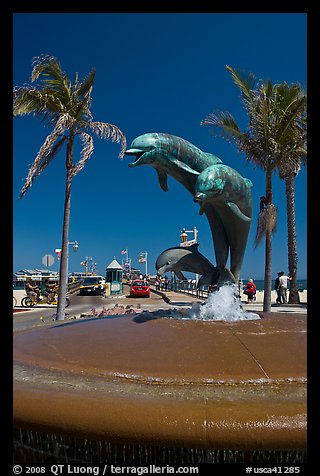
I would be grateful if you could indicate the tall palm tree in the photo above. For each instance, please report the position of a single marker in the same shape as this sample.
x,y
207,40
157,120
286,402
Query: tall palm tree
x,y
265,143
66,108
294,101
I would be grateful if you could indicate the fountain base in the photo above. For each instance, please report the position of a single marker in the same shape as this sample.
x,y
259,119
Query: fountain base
x,y
203,387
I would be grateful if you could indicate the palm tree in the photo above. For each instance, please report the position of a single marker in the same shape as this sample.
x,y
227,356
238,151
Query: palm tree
x,y
65,107
295,103
265,143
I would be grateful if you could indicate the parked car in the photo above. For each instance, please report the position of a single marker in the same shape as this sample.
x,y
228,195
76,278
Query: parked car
x,y
92,285
139,289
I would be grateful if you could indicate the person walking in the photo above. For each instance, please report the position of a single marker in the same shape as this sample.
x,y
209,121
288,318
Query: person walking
x,y
250,291
277,288
283,286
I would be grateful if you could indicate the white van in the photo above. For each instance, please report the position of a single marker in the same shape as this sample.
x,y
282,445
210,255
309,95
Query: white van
x,y
94,285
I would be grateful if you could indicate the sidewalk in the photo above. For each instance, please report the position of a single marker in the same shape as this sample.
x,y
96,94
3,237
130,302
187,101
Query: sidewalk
x,y
179,299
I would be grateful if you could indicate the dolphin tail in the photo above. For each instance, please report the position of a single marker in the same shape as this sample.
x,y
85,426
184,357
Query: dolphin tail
x,y
180,275
209,278
226,276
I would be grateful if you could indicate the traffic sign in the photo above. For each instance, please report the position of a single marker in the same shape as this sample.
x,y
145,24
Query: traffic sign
x,y
48,260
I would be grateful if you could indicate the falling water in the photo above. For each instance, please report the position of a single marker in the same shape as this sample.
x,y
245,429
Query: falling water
x,y
221,305
35,447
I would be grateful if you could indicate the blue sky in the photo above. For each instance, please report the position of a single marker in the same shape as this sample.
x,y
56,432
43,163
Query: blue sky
x,y
155,72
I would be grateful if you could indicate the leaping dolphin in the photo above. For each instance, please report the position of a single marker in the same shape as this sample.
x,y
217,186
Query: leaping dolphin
x,y
229,194
172,155
188,259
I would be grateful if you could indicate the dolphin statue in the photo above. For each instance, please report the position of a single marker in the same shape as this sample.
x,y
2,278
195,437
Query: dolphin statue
x,y
224,190
171,155
174,156
188,259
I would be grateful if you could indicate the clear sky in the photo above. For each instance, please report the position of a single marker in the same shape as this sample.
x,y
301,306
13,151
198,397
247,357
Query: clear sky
x,y
155,72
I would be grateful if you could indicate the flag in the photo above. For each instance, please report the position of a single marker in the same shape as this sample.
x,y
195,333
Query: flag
x,y
58,252
124,252
142,259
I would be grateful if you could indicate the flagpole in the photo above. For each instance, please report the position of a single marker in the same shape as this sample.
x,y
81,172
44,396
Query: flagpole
x,y
146,254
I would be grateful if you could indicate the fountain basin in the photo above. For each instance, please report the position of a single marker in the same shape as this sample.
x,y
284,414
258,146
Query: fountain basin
x,y
166,382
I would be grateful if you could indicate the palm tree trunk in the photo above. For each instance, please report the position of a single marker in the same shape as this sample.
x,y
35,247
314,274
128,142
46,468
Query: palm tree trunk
x,y
268,247
63,274
294,297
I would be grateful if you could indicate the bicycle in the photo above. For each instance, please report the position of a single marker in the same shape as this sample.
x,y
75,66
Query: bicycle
x,y
52,299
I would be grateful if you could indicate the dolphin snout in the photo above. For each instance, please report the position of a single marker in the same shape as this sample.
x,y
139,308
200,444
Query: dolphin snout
x,y
198,197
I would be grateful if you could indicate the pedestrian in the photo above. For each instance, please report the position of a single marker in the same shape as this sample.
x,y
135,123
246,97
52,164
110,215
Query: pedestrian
x,y
283,286
250,291
157,283
166,283
276,287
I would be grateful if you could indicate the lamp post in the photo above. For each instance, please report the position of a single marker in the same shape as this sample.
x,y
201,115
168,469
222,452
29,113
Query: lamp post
x,y
75,249
185,242
143,258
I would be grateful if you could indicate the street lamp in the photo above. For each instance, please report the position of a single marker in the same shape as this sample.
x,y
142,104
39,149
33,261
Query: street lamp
x,y
184,237
185,242
75,245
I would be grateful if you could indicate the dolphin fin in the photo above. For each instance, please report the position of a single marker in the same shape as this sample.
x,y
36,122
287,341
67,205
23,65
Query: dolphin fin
x,y
186,167
213,158
163,179
237,211
180,275
193,247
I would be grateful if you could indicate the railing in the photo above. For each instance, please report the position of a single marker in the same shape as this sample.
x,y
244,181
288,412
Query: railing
x,y
186,287
75,286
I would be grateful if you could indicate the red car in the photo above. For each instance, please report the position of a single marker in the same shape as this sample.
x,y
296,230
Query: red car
x,y
139,289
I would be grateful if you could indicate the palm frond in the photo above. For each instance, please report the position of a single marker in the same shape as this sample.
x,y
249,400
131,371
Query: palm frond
x,y
42,162
109,131
47,150
85,154
223,124
48,70
267,220
28,100
83,89
246,83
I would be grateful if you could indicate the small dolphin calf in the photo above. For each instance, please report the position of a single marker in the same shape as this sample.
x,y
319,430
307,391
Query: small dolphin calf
x,y
171,155
188,259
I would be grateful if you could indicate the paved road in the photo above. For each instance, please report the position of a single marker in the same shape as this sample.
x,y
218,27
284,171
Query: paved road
x,y
44,315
